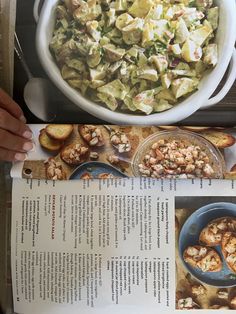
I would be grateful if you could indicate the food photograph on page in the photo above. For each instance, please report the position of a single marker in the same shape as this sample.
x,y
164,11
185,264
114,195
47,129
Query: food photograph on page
x,y
128,62
205,230
68,152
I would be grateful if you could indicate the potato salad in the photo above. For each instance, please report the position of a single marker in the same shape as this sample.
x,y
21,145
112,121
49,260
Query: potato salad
x,y
143,56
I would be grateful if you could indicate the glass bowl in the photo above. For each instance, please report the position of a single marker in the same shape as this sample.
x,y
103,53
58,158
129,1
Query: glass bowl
x,y
216,159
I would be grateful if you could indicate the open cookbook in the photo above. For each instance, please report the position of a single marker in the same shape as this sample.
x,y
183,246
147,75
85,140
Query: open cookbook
x,y
122,244
127,202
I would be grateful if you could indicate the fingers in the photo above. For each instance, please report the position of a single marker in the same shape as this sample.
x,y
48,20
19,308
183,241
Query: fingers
x,y
12,124
15,135
10,141
8,104
8,155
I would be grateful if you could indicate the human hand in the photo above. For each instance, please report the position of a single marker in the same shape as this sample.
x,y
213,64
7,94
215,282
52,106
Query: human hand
x,y
15,135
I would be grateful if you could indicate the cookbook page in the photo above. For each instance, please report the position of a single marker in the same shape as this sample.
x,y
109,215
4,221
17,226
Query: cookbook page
x,y
102,246
70,152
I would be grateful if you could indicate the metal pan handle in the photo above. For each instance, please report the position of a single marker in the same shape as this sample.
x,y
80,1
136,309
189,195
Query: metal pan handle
x,y
228,84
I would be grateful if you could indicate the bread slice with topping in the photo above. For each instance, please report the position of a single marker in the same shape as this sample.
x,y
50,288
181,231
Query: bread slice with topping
x,y
92,134
212,234
86,176
204,258
55,170
228,247
230,175
233,169
74,154
219,139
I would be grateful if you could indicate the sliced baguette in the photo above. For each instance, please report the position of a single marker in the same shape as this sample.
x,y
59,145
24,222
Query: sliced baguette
x,y
212,234
219,139
228,247
195,128
204,258
55,170
168,127
92,134
86,176
230,175
59,132
106,176
74,154
48,143
233,169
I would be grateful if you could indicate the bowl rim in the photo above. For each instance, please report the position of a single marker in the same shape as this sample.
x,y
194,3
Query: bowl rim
x,y
179,112
95,163
178,133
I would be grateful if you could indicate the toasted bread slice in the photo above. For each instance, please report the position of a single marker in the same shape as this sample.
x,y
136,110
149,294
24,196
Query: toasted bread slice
x,y
212,234
219,128
187,304
86,176
205,258
195,128
176,224
92,134
168,127
48,143
233,169
219,139
219,307
54,170
228,246
198,289
106,176
74,154
233,301
59,132
230,175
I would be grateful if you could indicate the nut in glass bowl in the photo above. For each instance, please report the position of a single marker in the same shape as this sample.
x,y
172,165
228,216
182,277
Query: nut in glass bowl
x,y
178,155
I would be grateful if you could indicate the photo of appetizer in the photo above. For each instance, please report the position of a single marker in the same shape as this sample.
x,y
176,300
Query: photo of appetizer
x,y
88,176
92,135
210,247
178,154
187,304
120,141
76,149
74,154
49,143
205,252
228,246
156,152
54,170
212,234
59,132
204,258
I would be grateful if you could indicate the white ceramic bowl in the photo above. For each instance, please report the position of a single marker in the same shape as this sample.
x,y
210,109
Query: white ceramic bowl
x,y
225,38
